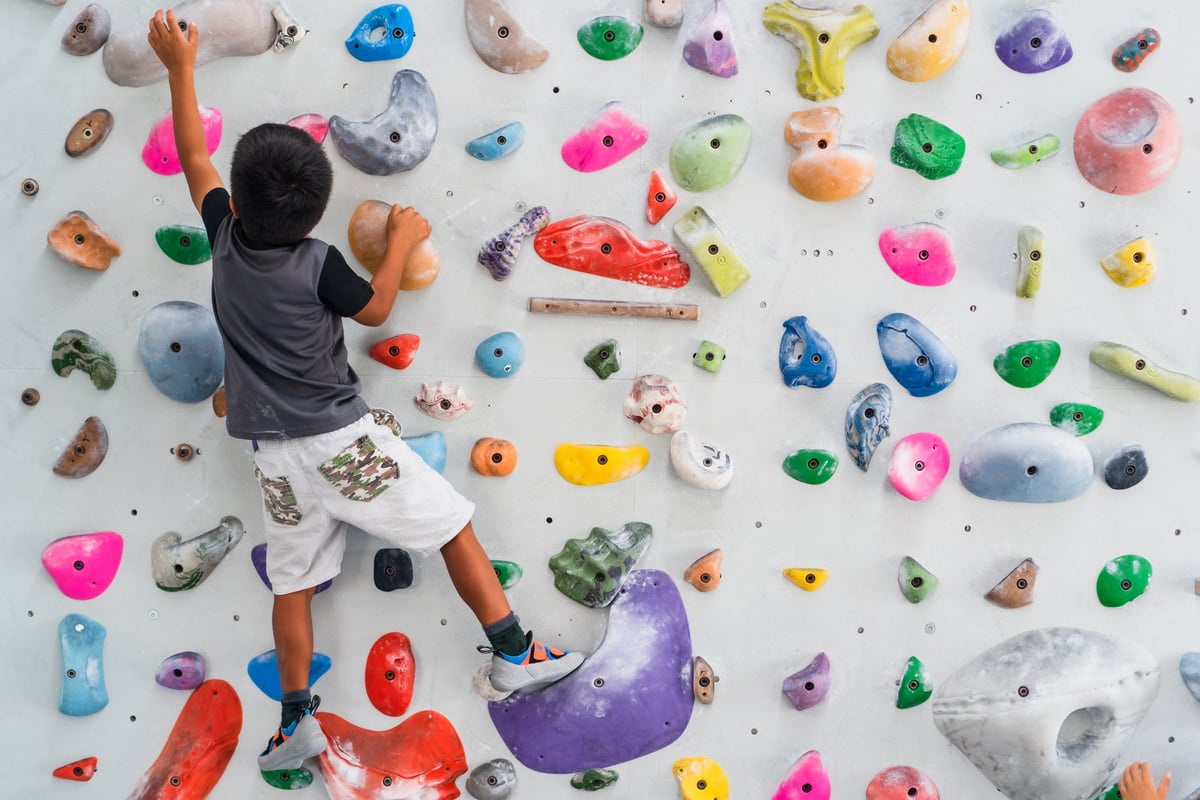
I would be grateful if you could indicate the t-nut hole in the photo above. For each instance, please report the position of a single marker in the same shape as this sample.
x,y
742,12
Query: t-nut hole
x,y
917,582
823,38
176,347
607,141
1140,364
609,36
502,31
1026,362
1035,42
602,459
497,458
713,249
1031,470
869,413
923,255
1022,583
919,466
1126,585
927,147
1147,148
395,137
1138,257
606,248
813,463
715,144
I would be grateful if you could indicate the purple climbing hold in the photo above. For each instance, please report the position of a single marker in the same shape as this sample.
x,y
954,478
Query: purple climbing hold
x,y
184,670
499,254
258,556
806,688
1035,43
710,47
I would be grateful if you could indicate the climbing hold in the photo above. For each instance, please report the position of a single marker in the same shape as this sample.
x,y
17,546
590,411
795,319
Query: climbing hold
x,y
1123,580
494,457
1031,251
263,670
867,423
1063,699
182,351
83,690
902,783
927,147
1026,364
1189,670
1027,154
314,125
592,780
824,39
705,572
932,43
1077,419
824,169
178,564
915,687
86,452
77,350
701,778
919,253
83,566
609,136
397,351
184,670
593,464
806,780
390,673
397,138
813,467
806,357
604,359
500,355
184,244
88,32
809,686
494,780
1131,364
258,557
605,247
1128,141
704,681
916,582
507,572
499,39
709,247
1129,54
918,465
709,48
660,198
655,403
709,153
807,579
1035,43
916,357
1026,462
1126,468
499,254
664,13
160,152
699,464
82,770
89,132
609,38
709,356
648,701
393,569
1132,264
219,405
367,233
499,143
383,34
591,571
78,240
31,397
1016,589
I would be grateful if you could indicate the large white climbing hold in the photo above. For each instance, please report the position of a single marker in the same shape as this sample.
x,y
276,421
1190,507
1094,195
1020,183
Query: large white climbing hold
x,y
1047,713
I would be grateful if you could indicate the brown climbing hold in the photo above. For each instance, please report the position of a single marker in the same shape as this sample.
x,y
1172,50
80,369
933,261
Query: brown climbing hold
x,y
184,451
89,132
88,32
367,233
80,241
218,403
86,452
1016,590
29,187
704,681
31,396
705,571
81,770
494,457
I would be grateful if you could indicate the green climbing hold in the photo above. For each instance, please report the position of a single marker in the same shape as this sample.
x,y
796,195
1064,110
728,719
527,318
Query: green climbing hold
x,y
609,38
1026,364
914,686
604,358
813,467
1111,794
508,573
299,778
77,350
184,245
928,147
1123,580
1031,253
1027,154
710,153
1076,418
916,582
591,570
709,356
593,779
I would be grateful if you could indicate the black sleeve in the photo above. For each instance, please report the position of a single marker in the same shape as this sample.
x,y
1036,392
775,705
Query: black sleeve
x,y
340,287
214,208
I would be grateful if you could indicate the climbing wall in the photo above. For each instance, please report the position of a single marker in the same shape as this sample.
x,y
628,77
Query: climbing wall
x,y
820,260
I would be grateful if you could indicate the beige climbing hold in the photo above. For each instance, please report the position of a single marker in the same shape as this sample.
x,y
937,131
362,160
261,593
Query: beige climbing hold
x,y
1016,589
368,238
80,241
89,132
499,39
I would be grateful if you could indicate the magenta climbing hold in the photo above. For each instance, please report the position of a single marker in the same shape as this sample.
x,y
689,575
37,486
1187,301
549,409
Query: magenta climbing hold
x,y
902,783
807,780
314,125
1128,142
83,566
610,136
809,686
710,46
160,154
184,670
919,253
918,465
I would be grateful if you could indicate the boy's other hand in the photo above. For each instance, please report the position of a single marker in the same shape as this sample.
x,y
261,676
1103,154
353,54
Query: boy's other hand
x,y
1137,783
406,225
175,48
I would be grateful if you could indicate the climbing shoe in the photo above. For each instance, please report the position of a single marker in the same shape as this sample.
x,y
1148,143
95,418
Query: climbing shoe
x,y
290,746
538,665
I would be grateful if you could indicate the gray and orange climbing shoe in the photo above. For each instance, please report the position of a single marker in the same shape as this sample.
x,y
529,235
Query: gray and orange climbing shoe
x,y
537,666
290,746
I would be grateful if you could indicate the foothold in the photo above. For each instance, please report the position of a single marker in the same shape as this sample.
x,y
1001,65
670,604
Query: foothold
x,y
500,355
806,357
184,244
390,673
31,396
184,451
184,670
919,253
1189,670
932,43
1127,362
915,687
397,351
1026,364
614,308
258,557
806,780
809,686
604,359
1026,462
918,465
709,247
1128,142
288,779
88,32
710,153
701,778
594,464
397,138
421,756
383,34
89,132
77,350
1028,153
178,564
700,464
263,670
1016,588
86,452
499,143
709,356
83,690
656,404
78,240
219,405
1129,54
813,467
494,457
824,169
916,582
1065,699
824,39
607,138
507,572
867,422
664,14
1035,43
494,780
927,147
591,571
1132,264
807,579
29,187
499,39
393,569
660,198
607,248
704,681
83,566
1031,254
592,780
367,233
160,152
709,48
916,357
1126,468
1077,419
499,254
705,572
182,350
609,38
82,770
314,125
902,783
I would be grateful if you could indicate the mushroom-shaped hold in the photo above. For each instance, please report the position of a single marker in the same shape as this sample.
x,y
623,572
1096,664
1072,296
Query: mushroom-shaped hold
x,y
1128,142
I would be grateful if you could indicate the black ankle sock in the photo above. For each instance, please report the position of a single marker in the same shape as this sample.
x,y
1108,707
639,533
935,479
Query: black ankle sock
x,y
507,636
294,704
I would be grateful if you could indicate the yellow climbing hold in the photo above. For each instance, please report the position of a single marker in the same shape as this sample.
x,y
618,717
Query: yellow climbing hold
x,y
1132,264
711,250
593,464
824,38
701,778
932,43
807,579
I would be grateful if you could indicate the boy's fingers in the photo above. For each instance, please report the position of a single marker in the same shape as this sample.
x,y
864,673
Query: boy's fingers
x,y
1164,785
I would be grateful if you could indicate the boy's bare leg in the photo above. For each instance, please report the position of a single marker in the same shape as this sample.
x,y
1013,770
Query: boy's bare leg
x,y
291,621
474,578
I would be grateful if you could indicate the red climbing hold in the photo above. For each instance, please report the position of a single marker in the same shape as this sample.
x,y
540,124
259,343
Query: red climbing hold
x,y
390,671
397,352
605,247
660,198
81,770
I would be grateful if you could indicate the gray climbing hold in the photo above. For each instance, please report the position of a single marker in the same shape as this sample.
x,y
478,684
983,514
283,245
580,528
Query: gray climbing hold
x,y
396,139
494,780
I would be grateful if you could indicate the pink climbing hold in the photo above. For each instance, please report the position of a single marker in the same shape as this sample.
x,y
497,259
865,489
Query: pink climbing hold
x,y
919,253
1128,142
160,153
919,464
314,125
902,783
84,566
610,136
807,780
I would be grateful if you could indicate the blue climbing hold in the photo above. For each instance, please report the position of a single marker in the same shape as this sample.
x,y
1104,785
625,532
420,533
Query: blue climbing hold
x,y
500,355
916,357
83,690
1189,670
431,447
385,33
182,351
806,358
868,422
498,143
1027,462
263,670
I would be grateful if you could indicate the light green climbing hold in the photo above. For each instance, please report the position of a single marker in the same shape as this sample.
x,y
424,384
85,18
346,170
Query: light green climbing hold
x,y
1031,253
1123,580
593,779
508,573
1027,154
1131,364
927,147
813,467
914,686
184,244
709,247
77,350
609,38
710,153
1026,364
1077,419
823,38
709,356
916,582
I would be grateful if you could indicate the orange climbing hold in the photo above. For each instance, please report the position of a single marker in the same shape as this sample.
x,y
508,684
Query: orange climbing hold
x,y
824,169
494,457
81,770
80,241
705,571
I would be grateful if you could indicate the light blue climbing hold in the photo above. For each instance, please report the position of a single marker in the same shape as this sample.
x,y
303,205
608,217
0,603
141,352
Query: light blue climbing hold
x,y
1189,670
1027,462
182,351
431,447
384,33
500,355
498,143
916,357
263,670
806,358
83,690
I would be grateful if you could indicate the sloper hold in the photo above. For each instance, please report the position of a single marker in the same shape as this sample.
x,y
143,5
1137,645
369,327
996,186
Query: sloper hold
x,y
660,198
806,780
1015,590
499,143
594,464
160,152
263,671
916,357
1008,710
915,686
390,674
89,132
919,463
919,253
1078,419
1129,363
704,574
1132,264
606,139
493,780
824,39
185,670
78,240
813,467
394,22
916,582
75,349
494,457
1031,255
806,358
86,452
184,244
932,43
314,125
902,783
867,422
704,681
656,404
499,39
648,701
1035,43
182,350
367,233
83,689
500,355
1123,580
83,566
664,13
810,685
710,153
396,351
258,558
499,254
88,32
701,778
1026,364
927,147
604,359
397,138
704,240
607,248
807,579
393,569
700,464
1126,468
824,169
82,770
507,572
609,38
1128,142
179,564
591,571
709,47
1189,671
1028,153
1129,54
1026,462
591,780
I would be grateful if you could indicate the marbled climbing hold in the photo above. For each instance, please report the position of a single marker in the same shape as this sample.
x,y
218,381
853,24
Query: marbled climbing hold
x,y
710,153
664,13
393,569
813,467
88,32
178,564
1132,264
927,147
700,464
709,356
185,670
604,359
1129,363
701,778
1189,671
1128,142
88,132
902,783
915,686
263,670
611,135
499,39
160,153
383,34
182,350
916,582
1027,364
1015,590
396,351
704,574
1078,419
916,357
84,565
1026,462
78,240
367,233
1031,254
1028,153
824,169
499,143
607,248
1035,43
1126,468
932,43
315,125
86,452
709,47
594,464
868,418
494,457
75,349
609,38
258,558
918,465
592,780
660,198
656,404
919,253
500,355
397,138
499,254
83,689
591,570
807,579
492,780
82,770
390,674
810,685
806,780
1129,54
507,572
184,244
704,681
442,401
709,247
824,39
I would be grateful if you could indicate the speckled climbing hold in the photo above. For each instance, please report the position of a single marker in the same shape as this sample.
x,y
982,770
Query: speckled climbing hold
x,y
78,240
314,125
902,783
1078,419
813,467
1026,462
932,43
185,670
82,770
824,169
806,358
916,357
493,780
927,147
84,565
709,356
89,132
1128,142
1129,54
607,248
1015,590
179,564
367,233
1126,468
1035,43
915,686
609,38
701,778
1028,153
184,244
499,143
810,685
704,681
916,582
1129,363
824,39
1132,264
383,34
500,355
919,253
709,47
1189,671
499,39
86,452
867,422
507,572
709,153
160,152
656,404
182,351
88,32
396,351
592,780
499,254
807,579
494,457
397,138
393,569
611,135
918,465
700,464
705,572
263,671
604,359
591,570
709,247
258,558
1026,364
660,198
664,13
1123,580
390,674
806,780
83,689
594,464
1031,255
77,350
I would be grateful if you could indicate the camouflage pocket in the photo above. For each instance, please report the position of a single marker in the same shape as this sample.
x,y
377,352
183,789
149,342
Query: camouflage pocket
x,y
279,499
360,472
386,419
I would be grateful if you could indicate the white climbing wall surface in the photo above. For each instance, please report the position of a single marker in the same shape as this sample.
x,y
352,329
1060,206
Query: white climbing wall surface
x,y
819,260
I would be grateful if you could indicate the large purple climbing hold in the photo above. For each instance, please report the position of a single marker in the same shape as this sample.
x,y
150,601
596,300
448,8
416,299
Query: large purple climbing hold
x,y
806,688
710,47
631,697
1035,43
258,557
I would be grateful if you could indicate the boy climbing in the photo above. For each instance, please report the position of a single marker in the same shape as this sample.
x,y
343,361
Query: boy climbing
x,y
324,459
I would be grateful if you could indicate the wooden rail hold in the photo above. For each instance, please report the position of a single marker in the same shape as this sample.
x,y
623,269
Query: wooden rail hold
x,y
613,308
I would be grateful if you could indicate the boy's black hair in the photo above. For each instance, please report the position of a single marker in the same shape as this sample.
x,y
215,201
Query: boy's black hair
x,y
280,180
